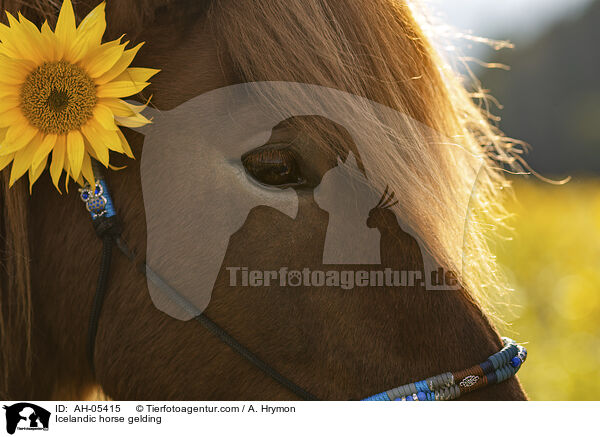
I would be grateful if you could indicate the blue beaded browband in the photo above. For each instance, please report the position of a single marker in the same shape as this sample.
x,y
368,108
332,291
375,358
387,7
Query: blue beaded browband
x,y
451,385
444,387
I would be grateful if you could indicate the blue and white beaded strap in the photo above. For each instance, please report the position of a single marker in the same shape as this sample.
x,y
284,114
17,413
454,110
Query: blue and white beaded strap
x,y
97,200
497,368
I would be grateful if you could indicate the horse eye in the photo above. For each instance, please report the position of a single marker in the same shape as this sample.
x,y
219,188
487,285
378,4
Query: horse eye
x,y
273,165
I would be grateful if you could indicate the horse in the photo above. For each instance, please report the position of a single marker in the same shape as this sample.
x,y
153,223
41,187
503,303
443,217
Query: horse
x,y
335,344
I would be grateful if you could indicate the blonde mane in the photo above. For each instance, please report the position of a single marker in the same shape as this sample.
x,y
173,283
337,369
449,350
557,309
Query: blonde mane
x,y
376,49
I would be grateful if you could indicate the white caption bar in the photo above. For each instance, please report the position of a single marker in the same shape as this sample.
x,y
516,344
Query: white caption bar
x,y
297,418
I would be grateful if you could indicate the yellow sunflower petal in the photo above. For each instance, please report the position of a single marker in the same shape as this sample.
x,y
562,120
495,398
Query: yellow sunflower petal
x,y
9,40
49,42
22,161
99,148
93,25
9,102
115,168
104,60
6,91
17,138
36,172
120,108
58,159
120,65
66,166
14,71
137,74
120,89
94,52
65,28
45,148
109,138
17,40
125,145
4,33
19,132
67,176
75,152
7,50
12,117
89,150
5,160
137,120
31,39
89,33
86,170
104,116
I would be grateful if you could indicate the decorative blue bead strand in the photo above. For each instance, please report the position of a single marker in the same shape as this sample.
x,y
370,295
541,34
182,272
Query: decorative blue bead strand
x,y
497,368
109,208
378,397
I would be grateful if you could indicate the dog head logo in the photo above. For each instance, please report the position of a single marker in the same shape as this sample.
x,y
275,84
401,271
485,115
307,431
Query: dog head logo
x,y
26,416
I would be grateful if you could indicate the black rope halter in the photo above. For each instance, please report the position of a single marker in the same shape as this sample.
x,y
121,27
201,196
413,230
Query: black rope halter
x,y
107,226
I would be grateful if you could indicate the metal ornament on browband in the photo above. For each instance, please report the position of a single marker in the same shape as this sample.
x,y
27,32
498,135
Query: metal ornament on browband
x,y
99,204
447,386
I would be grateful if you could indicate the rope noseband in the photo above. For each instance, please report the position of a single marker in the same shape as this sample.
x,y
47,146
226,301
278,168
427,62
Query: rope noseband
x,y
447,386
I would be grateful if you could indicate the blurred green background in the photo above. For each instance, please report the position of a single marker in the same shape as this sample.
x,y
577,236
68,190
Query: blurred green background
x,y
550,99
552,263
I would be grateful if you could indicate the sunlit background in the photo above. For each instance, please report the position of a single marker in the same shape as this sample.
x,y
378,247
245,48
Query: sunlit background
x,y
517,20
549,98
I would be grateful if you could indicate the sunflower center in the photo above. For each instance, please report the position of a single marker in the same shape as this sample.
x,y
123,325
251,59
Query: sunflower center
x,y
58,97
58,100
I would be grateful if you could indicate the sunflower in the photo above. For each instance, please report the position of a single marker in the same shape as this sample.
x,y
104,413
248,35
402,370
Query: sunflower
x,y
61,96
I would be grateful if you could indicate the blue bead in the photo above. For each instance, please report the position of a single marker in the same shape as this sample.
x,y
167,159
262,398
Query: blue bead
x,y
398,399
85,195
515,362
409,398
487,367
422,386
421,396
